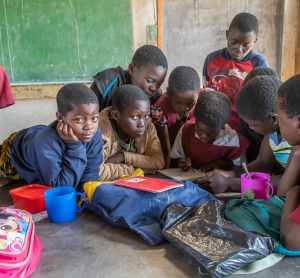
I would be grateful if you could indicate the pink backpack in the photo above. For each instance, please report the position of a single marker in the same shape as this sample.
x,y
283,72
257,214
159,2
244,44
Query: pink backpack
x,y
20,248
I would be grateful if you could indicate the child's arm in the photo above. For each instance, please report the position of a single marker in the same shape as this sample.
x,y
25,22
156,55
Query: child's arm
x,y
289,229
113,171
163,135
291,175
60,163
161,125
221,181
177,154
152,158
94,158
114,165
265,158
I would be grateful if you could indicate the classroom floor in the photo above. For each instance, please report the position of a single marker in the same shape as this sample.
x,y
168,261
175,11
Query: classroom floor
x,y
89,247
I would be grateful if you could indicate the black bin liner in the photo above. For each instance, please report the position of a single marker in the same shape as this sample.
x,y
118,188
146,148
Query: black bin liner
x,y
218,245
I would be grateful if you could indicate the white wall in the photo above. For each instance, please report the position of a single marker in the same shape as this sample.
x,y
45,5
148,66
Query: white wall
x,y
26,113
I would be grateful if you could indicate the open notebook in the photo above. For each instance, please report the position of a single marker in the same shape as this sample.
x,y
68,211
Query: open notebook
x,y
179,175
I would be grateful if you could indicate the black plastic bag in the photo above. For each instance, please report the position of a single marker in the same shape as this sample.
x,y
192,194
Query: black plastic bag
x,y
218,245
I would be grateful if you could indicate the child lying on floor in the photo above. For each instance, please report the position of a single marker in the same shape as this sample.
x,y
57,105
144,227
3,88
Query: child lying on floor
x,y
66,152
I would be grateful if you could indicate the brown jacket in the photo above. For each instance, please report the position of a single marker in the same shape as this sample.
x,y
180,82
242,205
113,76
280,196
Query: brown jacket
x,y
147,152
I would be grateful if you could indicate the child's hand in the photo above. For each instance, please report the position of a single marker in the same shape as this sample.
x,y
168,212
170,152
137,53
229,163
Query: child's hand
x,y
117,158
217,180
65,132
185,163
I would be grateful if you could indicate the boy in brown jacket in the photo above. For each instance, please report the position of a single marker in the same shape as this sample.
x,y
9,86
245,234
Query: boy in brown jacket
x,y
129,138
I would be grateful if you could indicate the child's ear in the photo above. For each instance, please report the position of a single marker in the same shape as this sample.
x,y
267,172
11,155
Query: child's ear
x,y
227,32
59,116
115,115
274,118
131,68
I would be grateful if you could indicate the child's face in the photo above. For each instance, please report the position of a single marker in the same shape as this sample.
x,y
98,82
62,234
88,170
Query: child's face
x,y
83,119
289,126
266,127
133,121
149,78
239,44
183,102
206,134
8,225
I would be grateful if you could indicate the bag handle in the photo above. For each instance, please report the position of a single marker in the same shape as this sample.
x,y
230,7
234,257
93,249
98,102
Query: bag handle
x,y
272,189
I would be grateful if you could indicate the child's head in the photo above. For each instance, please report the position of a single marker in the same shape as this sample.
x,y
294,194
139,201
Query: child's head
x,y
148,69
288,110
212,112
78,108
183,89
131,111
242,35
255,104
260,71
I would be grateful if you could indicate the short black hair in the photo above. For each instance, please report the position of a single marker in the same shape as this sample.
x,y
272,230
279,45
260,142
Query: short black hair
x,y
183,78
259,72
126,96
245,22
74,94
289,94
213,109
256,100
149,54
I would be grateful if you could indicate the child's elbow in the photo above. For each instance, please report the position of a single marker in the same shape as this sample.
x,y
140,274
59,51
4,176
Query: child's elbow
x,y
290,240
161,164
158,163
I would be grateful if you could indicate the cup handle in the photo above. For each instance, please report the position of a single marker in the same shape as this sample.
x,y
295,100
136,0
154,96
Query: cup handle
x,y
272,189
84,201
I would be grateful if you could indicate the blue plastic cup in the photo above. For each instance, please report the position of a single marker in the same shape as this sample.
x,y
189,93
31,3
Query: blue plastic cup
x,y
61,204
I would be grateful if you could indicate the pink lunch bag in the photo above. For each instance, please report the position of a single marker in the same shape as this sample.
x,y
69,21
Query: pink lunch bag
x,y
20,248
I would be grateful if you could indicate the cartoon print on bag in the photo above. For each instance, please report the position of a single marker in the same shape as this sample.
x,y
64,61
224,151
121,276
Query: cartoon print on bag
x,y
12,232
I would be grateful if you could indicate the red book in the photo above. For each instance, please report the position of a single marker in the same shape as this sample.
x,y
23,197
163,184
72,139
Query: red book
x,y
147,184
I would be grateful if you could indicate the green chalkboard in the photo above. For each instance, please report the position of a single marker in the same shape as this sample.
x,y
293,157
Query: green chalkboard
x,y
57,41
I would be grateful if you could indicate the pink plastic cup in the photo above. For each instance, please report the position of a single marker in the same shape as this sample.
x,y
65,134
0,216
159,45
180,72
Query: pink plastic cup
x,y
259,183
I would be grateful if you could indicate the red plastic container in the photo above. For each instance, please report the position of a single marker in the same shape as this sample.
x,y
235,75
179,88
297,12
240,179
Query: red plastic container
x,y
30,197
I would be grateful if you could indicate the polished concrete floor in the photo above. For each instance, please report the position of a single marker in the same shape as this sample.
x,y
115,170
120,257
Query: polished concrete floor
x,y
89,247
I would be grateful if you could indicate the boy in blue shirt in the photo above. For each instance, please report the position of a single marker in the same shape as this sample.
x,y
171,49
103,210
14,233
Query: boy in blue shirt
x,y
66,152
224,70
147,70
